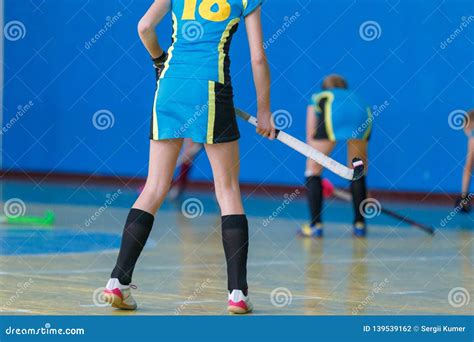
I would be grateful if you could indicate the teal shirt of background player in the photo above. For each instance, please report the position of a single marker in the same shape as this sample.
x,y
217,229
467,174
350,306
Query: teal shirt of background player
x,y
342,114
202,34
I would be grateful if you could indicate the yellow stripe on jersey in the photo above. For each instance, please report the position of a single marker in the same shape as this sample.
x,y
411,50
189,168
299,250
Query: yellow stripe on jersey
x,y
211,116
171,48
370,120
328,114
222,54
316,98
245,3
155,117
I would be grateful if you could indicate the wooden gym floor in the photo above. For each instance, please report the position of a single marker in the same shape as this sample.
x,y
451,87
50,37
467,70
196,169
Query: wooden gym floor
x,y
397,270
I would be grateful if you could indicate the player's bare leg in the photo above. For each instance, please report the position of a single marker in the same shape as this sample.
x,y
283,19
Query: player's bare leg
x,y
163,158
225,162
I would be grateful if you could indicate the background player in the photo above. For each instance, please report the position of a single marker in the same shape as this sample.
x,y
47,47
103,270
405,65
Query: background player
x,y
197,73
336,114
464,201
180,183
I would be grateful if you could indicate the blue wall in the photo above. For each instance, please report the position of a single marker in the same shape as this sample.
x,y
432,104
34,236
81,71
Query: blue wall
x,y
413,147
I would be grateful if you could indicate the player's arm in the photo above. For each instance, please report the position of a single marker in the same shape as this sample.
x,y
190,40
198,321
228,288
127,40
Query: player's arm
x,y
466,179
147,26
147,33
311,123
464,201
261,73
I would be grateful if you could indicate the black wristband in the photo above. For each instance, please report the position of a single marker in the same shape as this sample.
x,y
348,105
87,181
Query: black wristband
x,y
160,59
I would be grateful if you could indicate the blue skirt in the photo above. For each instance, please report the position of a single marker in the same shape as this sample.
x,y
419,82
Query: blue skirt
x,y
342,115
200,110
343,126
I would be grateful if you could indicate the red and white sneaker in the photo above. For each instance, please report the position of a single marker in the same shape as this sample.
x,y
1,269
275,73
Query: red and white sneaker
x,y
119,296
239,303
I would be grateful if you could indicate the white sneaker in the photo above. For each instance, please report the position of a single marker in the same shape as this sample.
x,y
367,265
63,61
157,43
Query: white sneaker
x,y
119,296
239,303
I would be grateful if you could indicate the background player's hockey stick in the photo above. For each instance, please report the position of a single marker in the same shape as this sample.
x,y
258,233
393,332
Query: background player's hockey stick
x,y
312,153
329,190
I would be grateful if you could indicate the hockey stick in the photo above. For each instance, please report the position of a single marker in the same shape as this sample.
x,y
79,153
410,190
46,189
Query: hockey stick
x,y
312,153
345,196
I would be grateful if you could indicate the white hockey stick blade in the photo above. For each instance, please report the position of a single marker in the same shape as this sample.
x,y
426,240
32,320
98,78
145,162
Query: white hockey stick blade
x,y
312,153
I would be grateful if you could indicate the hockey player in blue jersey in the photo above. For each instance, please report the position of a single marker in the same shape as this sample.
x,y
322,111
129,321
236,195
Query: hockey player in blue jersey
x,y
194,99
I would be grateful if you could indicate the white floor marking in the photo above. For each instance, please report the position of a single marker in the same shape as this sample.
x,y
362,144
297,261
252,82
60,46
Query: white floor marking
x,y
406,292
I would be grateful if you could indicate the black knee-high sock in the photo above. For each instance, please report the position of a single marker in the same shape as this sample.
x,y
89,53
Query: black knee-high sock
x,y
359,194
235,238
135,234
314,190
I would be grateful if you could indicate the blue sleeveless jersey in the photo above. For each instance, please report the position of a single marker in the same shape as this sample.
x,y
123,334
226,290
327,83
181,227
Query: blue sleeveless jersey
x,y
202,34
